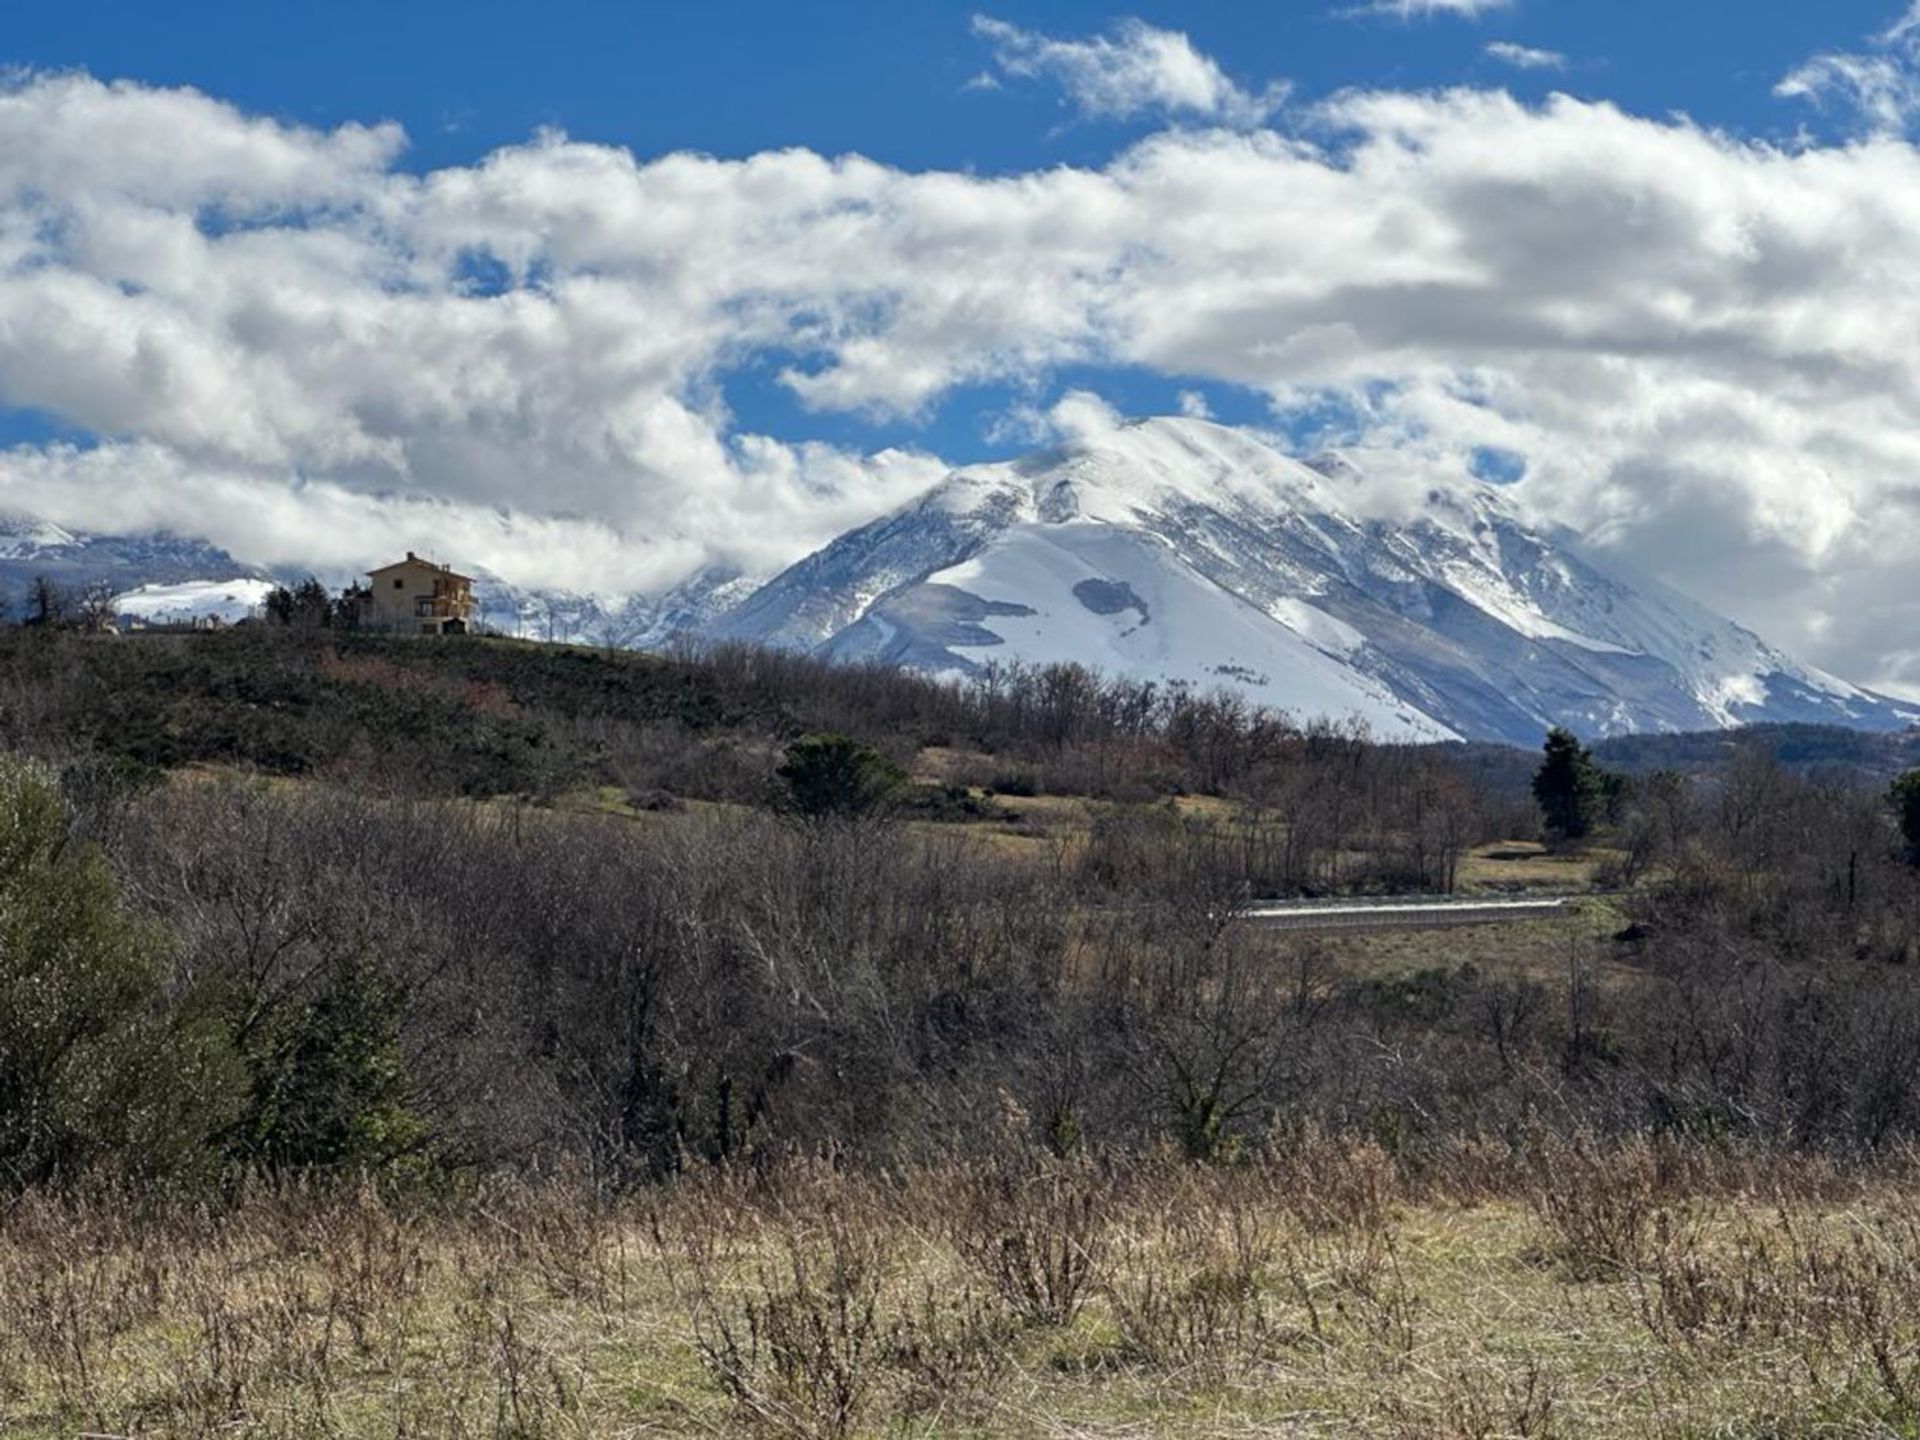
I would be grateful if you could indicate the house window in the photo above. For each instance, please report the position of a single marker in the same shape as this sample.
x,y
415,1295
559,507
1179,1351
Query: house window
x,y
399,583
423,607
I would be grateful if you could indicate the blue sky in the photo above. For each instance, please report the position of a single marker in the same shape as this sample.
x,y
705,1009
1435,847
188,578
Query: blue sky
x,y
883,79
301,277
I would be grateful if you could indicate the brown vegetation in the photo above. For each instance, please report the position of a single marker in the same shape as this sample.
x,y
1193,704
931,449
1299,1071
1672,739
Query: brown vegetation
x,y
706,1110
1695,1291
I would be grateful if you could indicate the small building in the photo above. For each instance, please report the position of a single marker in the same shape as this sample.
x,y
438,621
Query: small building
x,y
419,596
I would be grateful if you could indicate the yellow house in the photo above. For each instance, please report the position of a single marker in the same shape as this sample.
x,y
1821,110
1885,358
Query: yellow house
x,y
418,595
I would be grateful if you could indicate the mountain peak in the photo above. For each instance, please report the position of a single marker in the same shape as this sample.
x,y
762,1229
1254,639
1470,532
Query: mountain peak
x,y
1198,554
22,536
1149,466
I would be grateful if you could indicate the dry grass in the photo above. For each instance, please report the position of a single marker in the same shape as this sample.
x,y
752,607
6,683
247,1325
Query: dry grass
x,y
1549,1289
1523,866
1539,949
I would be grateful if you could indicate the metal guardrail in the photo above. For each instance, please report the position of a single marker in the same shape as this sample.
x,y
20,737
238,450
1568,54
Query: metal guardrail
x,y
1402,912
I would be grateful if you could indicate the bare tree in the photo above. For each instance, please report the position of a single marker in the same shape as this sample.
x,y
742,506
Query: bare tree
x,y
48,603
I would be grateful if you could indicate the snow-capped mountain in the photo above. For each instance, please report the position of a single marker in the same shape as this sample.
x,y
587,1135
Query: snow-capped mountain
x,y
1177,551
31,548
630,622
1187,552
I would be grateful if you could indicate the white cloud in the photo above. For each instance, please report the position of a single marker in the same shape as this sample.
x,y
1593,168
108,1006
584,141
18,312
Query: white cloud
x,y
1903,29
1138,69
1194,405
1425,9
1881,88
1701,347
1082,415
1525,57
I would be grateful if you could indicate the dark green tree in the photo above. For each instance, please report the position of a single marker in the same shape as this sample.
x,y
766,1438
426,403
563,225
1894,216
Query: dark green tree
x,y
312,605
1905,798
1571,789
827,776
307,606
329,1081
101,1063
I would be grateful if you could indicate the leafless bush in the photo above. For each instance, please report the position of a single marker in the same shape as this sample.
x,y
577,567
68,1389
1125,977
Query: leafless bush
x,y
1600,1205
1487,1404
1193,1291
1844,1293
1039,1238
800,1352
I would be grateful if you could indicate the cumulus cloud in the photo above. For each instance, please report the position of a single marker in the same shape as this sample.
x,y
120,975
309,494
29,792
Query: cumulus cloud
x,y
1700,347
1138,69
1525,57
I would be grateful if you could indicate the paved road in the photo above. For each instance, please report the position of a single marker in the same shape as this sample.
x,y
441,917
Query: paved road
x,y
1404,914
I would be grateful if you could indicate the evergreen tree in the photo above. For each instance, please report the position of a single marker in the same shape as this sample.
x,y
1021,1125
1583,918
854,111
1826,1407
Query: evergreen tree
x,y
1571,789
96,1066
1905,798
307,605
329,1081
312,605
835,775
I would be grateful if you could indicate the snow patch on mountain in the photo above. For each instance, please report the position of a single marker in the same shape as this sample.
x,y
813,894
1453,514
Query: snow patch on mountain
x,y
1319,629
22,537
1176,628
224,600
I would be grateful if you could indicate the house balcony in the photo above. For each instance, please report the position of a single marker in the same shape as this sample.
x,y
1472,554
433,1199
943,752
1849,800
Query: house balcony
x,y
444,607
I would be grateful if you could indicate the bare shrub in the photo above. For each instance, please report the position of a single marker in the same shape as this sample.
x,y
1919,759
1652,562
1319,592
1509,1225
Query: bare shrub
x,y
801,1352
1192,1292
950,1353
1039,1238
1600,1205
1485,1403
1845,1294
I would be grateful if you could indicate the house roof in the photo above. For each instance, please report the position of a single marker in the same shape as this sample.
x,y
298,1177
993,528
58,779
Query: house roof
x,y
415,560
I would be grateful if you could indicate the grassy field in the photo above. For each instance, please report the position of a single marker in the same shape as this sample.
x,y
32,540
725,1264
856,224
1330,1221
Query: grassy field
x,y
1540,1290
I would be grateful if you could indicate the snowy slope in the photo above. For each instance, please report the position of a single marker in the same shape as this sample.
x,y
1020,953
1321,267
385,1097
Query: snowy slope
x,y
226,600
31,548
1180,550
1121,601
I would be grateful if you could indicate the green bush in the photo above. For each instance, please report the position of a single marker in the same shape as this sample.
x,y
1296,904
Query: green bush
x,y
329,1083
836,775
99,1062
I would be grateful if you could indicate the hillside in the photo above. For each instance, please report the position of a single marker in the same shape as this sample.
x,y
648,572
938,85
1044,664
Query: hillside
x,y
474,1036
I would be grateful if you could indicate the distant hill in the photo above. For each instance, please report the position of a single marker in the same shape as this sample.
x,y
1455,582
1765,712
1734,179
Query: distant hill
x,y
1802,748
1198,556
